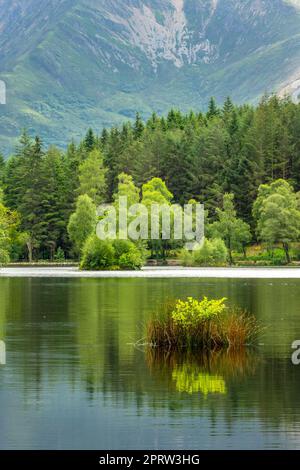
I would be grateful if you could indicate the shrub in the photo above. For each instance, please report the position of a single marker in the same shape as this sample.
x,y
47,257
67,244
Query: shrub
x,y
4,257
121,247
117,254
186,257
219,252
131,260
295,253
128,255
212,253
59,255
97,254
274,257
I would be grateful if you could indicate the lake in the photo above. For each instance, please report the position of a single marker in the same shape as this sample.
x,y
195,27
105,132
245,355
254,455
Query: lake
x,y
73,378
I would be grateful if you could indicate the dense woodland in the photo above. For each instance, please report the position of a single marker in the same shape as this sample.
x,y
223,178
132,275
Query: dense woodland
x,y
228,150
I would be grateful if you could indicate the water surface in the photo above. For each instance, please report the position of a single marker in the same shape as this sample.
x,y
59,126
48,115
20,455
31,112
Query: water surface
x,y
74,380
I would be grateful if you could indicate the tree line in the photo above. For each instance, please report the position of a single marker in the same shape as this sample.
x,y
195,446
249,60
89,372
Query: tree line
x,y
229,150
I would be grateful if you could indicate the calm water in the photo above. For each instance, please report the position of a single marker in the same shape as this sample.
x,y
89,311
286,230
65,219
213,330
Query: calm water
x,y
73,380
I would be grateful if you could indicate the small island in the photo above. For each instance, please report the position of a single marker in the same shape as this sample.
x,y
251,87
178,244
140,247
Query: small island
x,y
205,324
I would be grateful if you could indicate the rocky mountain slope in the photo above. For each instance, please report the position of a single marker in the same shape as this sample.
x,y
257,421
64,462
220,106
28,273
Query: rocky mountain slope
x,y
70,64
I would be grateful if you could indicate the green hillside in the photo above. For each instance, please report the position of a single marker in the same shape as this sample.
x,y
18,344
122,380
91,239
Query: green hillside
x,y
75,64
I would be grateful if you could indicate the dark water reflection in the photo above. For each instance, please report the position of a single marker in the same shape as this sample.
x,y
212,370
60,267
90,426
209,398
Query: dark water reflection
x,y
74,380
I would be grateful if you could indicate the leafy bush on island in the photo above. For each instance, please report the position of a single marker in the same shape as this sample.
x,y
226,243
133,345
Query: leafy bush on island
x,y
128,255
100,255
206,324
212,253
97,254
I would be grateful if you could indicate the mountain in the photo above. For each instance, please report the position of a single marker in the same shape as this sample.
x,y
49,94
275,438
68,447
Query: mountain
x,y
71,64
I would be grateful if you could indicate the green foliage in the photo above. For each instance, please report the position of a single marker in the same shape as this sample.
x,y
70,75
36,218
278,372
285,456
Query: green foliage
x,y
59,255
155,191
132,260
90,140
188,314
92,177
295,253
9,235
35,186
128,255
212,253
231,229
97,254
122,247
126,187
230,150
213,110
2,169
4,256
275,257
276,210
110,254
83,222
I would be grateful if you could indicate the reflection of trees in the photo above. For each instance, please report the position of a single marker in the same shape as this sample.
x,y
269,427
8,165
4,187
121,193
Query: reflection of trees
x,y
77,332
33,316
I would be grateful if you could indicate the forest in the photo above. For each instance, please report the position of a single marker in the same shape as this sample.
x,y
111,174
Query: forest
x,y
241,161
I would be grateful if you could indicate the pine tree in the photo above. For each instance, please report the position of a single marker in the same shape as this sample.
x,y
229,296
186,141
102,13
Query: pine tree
x,y
213,110
90,140
2,169
178,165
104,137
112,153
227,110
139,127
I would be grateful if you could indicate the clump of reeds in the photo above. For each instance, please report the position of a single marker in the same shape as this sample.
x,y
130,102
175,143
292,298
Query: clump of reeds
x,y
206,324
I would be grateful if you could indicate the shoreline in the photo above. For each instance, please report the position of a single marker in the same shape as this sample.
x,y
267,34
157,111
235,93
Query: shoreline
x,y
155,273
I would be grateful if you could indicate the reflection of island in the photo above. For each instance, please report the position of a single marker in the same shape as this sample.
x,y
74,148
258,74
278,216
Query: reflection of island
x,y
204,374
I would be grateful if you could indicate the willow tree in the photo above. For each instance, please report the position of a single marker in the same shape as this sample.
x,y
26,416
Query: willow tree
x,y
82,222
276,211
234,231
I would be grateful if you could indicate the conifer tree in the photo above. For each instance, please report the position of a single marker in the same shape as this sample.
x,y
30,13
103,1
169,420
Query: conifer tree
x,y
139,127
213,110
90,140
